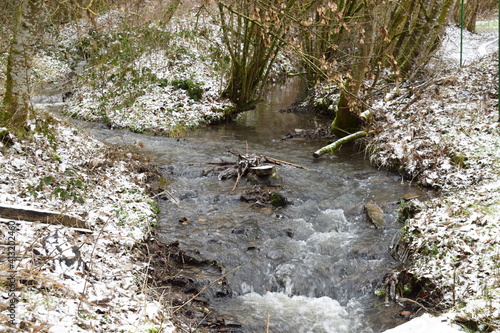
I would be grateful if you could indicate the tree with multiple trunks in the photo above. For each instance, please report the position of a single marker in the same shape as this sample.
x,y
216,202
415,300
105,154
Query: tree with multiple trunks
x,y
346,42
27,17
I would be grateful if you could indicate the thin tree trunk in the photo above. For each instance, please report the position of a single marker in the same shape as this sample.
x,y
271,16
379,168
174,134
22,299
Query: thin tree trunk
x,y
16,104
346,120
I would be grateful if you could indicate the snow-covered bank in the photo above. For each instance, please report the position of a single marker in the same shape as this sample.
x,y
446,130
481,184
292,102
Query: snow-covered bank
x,y
426,324
444,133
66,280
70,280
160,88
158,78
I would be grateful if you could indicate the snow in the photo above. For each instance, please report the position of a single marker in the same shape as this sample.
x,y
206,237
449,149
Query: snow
x,y
82,282
474,47
426,324
452,142
158,106
79,282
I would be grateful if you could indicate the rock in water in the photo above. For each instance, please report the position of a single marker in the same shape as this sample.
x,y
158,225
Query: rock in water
x,y
375,215
277,200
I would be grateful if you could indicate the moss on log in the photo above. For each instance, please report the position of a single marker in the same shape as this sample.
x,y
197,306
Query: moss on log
x,y
335,145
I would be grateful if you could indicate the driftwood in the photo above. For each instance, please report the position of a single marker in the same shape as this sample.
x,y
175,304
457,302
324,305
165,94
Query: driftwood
x,y
37,215
331,147
248,163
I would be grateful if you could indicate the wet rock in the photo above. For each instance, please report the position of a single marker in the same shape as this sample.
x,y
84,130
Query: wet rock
x,y
179,280
248,198
262,197
249,232
277,200
374,214
273,179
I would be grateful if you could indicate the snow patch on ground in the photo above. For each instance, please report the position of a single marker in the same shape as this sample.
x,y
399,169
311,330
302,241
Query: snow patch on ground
x,y
67,280
426,324
167,102
445,134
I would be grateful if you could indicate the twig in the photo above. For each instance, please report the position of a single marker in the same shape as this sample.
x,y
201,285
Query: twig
x,y
170,194
273,160
205,288
403,299
238,178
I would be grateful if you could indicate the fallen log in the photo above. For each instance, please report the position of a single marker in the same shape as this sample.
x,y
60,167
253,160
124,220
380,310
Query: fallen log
x,y
37,215
331,147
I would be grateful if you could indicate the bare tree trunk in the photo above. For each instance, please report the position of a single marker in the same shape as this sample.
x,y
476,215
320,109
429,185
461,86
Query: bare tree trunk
x,y
349,106
16,104
253,35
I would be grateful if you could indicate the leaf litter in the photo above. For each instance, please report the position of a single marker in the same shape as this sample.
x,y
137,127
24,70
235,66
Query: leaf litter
x,y
67,280
444,133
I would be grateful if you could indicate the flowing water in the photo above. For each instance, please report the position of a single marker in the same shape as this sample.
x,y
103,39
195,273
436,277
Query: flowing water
x,y
312,266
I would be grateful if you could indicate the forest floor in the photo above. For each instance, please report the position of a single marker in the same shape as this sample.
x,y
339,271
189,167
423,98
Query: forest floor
x,y
69,278
441,132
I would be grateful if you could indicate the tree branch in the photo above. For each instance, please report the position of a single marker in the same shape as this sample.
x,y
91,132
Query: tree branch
x,y
331,147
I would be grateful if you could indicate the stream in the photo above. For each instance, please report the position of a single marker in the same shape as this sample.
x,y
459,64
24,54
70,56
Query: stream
x,y
311,266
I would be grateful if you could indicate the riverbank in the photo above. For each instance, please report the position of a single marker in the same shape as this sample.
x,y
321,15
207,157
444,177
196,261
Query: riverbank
x,y
441,131
444,133
97,278
73,278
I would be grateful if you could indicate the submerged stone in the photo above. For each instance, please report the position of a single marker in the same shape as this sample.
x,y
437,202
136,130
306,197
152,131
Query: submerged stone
x,y
277,200
374,214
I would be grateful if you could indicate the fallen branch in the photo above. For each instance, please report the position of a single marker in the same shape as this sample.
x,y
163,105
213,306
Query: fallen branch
x,y
38,215
170,195
275,161
331,147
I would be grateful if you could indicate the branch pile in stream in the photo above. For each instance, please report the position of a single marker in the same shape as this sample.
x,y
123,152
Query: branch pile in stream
x,y
250,163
